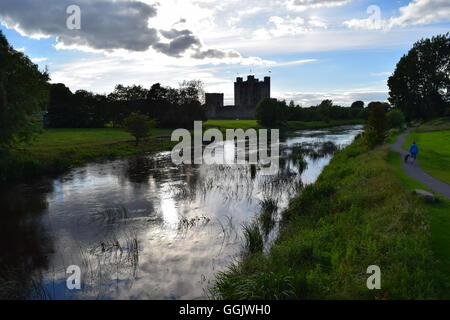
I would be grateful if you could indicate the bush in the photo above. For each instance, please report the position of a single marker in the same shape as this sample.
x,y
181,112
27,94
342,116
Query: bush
x,y
395,118
139,125
376,129
270,112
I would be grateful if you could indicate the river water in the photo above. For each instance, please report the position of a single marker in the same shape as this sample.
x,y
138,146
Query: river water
x,y
143,228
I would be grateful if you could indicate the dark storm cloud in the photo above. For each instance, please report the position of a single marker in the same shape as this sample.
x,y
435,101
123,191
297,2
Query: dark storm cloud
x,y
217,54
178,45
105,24
173,33
182,40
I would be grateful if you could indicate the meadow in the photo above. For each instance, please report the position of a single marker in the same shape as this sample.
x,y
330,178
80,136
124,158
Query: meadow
x,y
57,150
433,139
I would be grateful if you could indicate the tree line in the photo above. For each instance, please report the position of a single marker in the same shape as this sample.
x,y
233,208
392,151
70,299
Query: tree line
x,y
271,112
170,107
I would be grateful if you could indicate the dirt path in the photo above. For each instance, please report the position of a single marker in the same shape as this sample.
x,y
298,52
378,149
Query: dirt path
x,y
414,171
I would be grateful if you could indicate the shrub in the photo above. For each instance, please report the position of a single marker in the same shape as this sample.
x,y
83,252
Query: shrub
x,y
270,112
139,125
395,118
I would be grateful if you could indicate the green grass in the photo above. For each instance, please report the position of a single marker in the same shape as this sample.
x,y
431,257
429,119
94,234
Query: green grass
x,y
357,214
438,217
253,239
269,208
57,150
434,152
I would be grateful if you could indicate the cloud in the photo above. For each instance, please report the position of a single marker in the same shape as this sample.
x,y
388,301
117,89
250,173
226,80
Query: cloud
x,y
287,26
173,33
417,12
293,63
181,40
216,54
345,98
423,12
307,4
37,60
381,74
105,24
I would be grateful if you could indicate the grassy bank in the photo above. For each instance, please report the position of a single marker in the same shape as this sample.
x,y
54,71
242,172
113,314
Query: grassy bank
x,y
438,218
57,150
433,139
356,215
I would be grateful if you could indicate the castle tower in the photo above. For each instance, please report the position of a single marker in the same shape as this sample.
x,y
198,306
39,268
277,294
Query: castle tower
x,y
213,102
248,93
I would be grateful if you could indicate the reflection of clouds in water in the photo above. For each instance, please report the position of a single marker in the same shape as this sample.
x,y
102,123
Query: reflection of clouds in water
x,y
169,211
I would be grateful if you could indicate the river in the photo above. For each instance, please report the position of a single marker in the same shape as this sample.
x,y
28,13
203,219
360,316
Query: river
x,y
143,228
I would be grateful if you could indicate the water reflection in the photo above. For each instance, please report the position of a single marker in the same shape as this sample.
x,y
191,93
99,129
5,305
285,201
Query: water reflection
x,y
24,241
143,228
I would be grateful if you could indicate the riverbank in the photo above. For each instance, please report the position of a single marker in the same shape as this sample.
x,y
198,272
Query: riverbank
x,y
290,126
58,150
359,213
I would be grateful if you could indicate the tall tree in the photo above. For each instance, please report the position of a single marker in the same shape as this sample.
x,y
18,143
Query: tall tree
x,y
420,84
24,92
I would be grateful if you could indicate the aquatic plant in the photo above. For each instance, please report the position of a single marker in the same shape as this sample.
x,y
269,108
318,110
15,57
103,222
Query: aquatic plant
x,y
253,239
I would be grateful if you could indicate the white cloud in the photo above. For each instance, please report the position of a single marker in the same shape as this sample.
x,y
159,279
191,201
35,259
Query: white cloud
x,y
344,98
381,74
417,12
302,5
293,63
37,60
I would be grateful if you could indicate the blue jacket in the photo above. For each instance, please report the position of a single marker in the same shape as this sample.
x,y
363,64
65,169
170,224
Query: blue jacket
x,y
414,149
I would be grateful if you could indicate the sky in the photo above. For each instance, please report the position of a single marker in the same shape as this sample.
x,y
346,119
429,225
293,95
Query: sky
x,y
343,50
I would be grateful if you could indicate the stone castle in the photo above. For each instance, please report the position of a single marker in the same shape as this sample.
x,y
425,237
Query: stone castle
x,y
247,94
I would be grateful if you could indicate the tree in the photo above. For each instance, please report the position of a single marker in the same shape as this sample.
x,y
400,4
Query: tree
x,y
270,112
325,110
376,128
130,93
60,107
192,90
139,125
24,93
395,118
421,81
358,104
